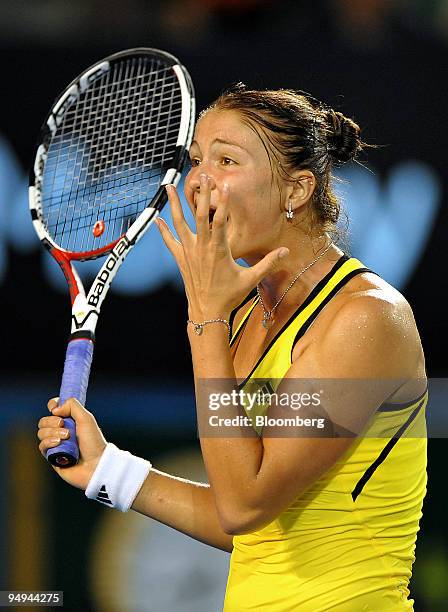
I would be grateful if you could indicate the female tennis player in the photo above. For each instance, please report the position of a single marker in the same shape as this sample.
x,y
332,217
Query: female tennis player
x,y
316,519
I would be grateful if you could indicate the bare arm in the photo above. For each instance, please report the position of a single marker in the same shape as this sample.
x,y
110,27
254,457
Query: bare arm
x,y
255,479
186,506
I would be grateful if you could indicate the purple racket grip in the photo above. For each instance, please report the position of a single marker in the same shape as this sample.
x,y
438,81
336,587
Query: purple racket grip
x,y
75,379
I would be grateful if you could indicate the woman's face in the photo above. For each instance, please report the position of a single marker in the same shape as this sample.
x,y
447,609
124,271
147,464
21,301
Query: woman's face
x,y
229,151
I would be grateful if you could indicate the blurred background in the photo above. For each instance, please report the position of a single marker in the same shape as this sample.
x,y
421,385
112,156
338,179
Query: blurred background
x,y
384,62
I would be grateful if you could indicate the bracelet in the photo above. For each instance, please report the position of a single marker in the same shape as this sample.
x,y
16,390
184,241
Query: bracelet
x,y
118,478
198,327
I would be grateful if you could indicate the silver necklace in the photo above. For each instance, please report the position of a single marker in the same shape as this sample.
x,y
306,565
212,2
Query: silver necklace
x,y
267,314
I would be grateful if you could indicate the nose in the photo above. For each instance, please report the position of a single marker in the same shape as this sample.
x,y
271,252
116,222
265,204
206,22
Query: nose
x,y
194,178
212,181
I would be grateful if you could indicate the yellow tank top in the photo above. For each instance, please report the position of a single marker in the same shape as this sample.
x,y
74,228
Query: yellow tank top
x,y
347,543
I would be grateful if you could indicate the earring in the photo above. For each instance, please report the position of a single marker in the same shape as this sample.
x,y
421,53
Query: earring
x,y
289,212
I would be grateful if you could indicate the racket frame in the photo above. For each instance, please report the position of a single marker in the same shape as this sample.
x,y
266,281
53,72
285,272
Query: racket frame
x,y
86,307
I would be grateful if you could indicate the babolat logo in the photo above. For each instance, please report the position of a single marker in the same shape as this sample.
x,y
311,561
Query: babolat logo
x,y
107,271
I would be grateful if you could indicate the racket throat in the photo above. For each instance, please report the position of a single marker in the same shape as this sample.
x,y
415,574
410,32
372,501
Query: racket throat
x,y
70,273
84,318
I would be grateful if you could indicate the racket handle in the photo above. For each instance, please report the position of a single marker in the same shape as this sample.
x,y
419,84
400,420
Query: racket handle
x,y
75,379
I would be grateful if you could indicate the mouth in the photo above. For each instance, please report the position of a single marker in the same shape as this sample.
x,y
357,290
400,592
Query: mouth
x,y
211,214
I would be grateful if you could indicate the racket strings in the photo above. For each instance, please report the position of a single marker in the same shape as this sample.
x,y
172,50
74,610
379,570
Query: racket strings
x,y
75,220
110,153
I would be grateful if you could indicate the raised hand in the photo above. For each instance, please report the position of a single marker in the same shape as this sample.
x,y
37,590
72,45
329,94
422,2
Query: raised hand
x,y
214,283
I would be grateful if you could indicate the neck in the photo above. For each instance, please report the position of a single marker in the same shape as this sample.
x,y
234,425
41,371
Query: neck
x,y
272,287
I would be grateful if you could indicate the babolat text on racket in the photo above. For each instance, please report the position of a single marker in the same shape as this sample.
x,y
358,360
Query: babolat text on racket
x,y
114,138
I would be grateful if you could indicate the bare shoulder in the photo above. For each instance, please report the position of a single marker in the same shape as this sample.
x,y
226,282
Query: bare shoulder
x,y
369,330
370,297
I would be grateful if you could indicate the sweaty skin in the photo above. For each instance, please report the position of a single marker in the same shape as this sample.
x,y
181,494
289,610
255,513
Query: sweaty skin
x,y
253,479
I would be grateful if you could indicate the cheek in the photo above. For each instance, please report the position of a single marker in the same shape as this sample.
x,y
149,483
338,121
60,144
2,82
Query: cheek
x,y
247,220
257,205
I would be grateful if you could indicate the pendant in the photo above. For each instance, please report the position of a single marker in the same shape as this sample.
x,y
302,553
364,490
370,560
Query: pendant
x,y
266,320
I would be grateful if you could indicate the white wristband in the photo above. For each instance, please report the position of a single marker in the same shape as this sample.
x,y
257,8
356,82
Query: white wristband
x,y
118,478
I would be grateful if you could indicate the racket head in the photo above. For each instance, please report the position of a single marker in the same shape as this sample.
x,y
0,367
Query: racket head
x,y
115,136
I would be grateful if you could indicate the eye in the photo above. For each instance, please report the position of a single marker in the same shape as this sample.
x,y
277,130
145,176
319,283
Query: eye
x,y
195,161
226,161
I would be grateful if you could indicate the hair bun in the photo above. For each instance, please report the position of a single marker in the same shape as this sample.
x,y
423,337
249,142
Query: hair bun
x,y
343,137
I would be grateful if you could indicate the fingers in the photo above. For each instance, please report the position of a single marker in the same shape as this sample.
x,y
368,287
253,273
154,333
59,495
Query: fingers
x,y
48,443
53,432
219,225
180,225
203,209
52,403
268,264
71,408
173,245
51,421
51,428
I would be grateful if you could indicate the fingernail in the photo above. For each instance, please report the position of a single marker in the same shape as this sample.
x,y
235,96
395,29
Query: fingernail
x,y
55,440
283,253
64,433
203,178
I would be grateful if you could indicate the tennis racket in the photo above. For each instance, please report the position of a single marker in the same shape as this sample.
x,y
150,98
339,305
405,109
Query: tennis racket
x,y
114,138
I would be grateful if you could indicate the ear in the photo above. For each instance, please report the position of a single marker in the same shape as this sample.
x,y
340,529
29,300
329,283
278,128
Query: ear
x,y
301,189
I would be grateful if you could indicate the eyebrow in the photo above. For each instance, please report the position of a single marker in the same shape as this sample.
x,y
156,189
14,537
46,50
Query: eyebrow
x,y
221,141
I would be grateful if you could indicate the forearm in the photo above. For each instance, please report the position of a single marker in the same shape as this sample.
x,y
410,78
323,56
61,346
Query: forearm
x,y
186,506
215,284
233,463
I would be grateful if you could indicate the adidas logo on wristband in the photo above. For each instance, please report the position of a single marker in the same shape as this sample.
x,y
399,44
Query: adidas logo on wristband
x,y
123,474
103,496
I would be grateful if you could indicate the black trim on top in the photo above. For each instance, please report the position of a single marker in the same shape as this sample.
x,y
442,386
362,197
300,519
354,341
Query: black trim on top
x,y
247,299
389,407
324,302
34,215
340,262
382,456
